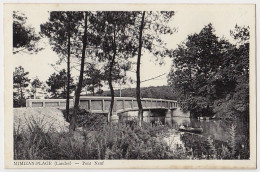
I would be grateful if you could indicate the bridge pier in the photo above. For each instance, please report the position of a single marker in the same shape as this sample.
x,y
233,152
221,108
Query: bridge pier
x,y
149,115
178,112
114,117
169,113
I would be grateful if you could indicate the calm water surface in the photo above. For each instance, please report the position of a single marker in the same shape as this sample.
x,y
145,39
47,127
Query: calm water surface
x,y
216,129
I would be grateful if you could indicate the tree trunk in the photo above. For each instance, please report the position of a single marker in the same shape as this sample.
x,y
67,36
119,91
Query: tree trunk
x,y
120,91
64,91
79,87
112,98
99,88
138,90
93,89
68,77
111,65
18,95
21,93
35,93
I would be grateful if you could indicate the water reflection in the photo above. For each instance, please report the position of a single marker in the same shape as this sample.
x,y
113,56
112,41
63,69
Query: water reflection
x,y
217,129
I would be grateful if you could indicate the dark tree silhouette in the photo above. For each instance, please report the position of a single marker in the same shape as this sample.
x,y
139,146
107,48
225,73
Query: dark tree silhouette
x,y
58,85
36,83
20,81
24,37
80,83
210,75
93,79
61,28
116,44
151,26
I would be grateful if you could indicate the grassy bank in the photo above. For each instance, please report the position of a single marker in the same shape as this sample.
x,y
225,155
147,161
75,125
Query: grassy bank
x,y
119,141
123,140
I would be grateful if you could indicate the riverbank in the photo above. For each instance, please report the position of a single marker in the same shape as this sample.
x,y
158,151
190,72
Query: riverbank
x,y
124,140
119,141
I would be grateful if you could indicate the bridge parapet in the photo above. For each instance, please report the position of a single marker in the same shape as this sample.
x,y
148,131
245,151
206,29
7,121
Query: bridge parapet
x,y
59,103
97,104
122,104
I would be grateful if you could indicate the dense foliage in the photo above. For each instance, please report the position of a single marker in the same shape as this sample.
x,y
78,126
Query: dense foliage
x,y
93,79
91,122
210,75
118,141
20,82
36,84
25,38
57,84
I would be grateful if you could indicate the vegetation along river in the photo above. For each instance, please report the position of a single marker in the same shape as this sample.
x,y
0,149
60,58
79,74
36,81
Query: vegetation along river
x,y
218,134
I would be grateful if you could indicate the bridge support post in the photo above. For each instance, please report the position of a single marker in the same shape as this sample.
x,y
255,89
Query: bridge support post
x,y
114,117
89,102
169,113
146,115
103,105
168,117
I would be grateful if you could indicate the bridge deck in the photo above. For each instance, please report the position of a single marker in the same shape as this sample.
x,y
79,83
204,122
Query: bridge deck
x,y
97,104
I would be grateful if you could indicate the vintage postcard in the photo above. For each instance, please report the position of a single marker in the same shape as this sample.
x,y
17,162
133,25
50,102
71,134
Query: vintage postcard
x,y
130,86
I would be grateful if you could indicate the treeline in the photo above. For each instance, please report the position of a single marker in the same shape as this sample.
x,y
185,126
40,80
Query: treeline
x,y
159,92
27,88
55,87
211,74
23,87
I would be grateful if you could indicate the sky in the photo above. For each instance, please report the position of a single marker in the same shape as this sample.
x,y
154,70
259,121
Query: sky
x,y
186,21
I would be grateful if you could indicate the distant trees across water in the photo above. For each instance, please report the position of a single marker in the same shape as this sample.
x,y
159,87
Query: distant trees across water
x,y
157,92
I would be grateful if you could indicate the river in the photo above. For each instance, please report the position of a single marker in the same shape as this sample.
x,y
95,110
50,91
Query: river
x,y
218,130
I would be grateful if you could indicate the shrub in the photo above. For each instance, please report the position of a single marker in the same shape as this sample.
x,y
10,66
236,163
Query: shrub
x,y
19,103
115,141
86,119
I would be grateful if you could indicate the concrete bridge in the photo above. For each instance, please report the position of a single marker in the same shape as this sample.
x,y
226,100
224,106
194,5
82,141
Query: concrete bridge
x,y
96,104
124,104
124,107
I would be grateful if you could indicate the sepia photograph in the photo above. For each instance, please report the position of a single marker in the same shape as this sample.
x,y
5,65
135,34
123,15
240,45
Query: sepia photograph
x,y
90,83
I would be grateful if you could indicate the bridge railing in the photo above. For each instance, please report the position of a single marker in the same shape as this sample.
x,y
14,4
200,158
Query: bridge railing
x,y
97,104
102,104
59,103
